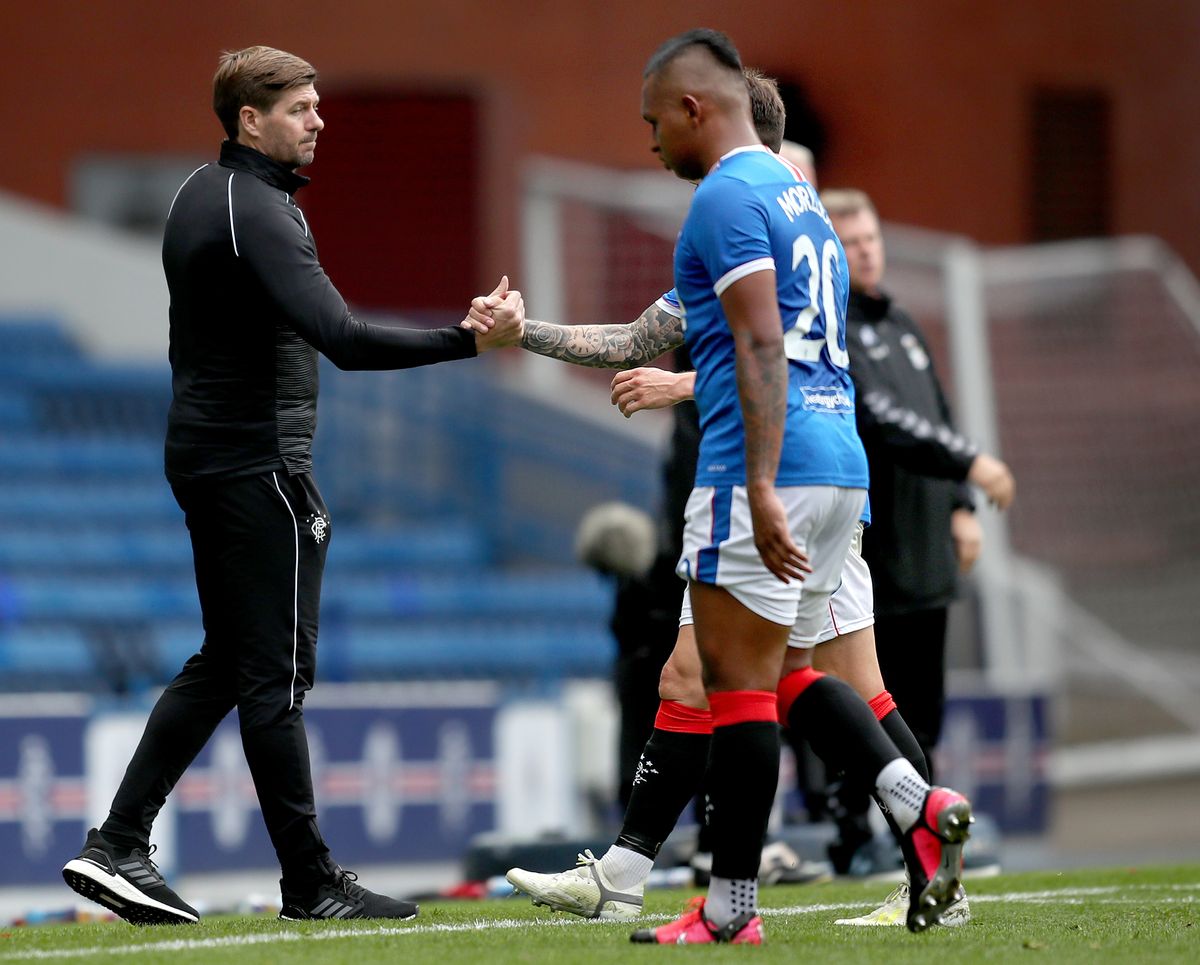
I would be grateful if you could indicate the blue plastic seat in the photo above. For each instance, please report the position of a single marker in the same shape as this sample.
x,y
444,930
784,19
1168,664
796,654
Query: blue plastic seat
x,y
479,650
32,335
31,656
25,456
84,502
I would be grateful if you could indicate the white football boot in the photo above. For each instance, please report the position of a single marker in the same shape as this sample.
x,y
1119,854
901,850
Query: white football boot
x,y
894,911
582,891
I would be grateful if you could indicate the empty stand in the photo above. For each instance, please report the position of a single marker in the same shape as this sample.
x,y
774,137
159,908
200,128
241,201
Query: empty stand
x,y
450,555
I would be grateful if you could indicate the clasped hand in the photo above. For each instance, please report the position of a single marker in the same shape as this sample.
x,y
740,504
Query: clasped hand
x,y
498,319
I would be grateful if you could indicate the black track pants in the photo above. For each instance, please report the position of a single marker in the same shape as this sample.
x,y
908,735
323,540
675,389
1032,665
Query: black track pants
x,y
259,545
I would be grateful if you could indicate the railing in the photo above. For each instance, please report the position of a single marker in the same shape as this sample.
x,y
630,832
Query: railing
x,y
1077,362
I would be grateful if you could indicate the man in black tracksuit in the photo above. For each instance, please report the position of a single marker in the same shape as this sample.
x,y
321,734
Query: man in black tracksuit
x,y
923,530
250,309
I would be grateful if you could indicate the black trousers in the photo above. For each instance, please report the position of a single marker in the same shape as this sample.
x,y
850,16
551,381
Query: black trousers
x,y
259,544
912,659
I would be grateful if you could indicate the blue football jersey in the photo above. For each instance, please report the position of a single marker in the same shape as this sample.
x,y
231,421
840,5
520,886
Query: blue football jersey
x,y
754,212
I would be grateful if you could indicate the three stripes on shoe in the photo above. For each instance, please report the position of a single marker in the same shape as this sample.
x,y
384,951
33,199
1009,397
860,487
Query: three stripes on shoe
x,y
331,908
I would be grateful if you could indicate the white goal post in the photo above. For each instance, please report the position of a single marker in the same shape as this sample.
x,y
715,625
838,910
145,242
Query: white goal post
x,y
984,307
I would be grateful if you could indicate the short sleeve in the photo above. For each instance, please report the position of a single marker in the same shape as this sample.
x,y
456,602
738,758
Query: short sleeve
x,y
669,303
729,232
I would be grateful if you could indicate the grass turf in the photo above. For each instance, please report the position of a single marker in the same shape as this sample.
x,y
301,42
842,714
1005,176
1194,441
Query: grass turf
x,y
1116,915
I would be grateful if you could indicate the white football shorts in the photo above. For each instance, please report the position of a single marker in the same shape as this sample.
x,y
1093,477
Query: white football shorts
x,y
850,607
718,548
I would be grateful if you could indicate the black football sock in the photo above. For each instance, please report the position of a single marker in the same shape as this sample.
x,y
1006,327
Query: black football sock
x,y
743,771
668,775
839,725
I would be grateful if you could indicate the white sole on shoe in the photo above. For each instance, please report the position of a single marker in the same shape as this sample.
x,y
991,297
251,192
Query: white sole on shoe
x,y
895,916
123,899
558,898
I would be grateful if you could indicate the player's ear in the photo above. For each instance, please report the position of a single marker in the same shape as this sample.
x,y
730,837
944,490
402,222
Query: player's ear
x,y
691,107
248,117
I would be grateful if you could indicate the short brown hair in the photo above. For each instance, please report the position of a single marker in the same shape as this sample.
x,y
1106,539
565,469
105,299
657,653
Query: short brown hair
x,y
255,77
766,107
842,202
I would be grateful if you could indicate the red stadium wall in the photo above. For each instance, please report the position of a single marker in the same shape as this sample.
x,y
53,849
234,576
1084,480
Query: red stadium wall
x,y
376,189
924,103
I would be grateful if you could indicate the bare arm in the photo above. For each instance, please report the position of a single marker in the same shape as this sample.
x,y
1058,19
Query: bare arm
x,y
762,373
607,346
752,312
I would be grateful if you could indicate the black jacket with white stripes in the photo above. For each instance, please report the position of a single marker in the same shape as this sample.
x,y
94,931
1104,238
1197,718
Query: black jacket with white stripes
x,y
250,308
918,461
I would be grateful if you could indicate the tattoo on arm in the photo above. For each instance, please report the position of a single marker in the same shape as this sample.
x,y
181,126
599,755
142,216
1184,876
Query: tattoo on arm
x,y
607,346
762,375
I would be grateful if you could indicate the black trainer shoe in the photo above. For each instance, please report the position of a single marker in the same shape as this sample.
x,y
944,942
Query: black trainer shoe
x,y
127,883
342,897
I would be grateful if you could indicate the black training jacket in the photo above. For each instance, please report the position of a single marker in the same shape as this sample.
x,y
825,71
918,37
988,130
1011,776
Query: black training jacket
x,y
250,309
918,461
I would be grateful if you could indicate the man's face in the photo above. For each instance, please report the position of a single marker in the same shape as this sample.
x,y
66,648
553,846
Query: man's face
x,y
673,128
860,236
288,132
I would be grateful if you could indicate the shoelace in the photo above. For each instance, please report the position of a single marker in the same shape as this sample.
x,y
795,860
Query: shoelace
x,y
583,862
346,882
144,856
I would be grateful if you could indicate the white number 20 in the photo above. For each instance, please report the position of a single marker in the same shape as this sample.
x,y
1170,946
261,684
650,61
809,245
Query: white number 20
x,y
798,343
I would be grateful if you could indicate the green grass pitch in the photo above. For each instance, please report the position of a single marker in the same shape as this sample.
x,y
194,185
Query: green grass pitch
x,y
1118,915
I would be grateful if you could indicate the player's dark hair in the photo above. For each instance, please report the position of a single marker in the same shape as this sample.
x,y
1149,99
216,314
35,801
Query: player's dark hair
x,y
715,42
766,107
255,77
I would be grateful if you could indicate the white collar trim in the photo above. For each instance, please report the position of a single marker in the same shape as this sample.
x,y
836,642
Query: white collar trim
x,y
745,148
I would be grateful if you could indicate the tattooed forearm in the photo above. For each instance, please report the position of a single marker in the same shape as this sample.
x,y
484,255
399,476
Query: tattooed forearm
x,y
607,346
762,376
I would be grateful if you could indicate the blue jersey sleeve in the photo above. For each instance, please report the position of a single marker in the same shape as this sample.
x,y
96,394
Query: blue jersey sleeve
x,y
730,232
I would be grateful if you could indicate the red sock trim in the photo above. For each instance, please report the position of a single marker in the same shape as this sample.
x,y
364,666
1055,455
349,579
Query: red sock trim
x,y
792,686
882,704
731,707
682,719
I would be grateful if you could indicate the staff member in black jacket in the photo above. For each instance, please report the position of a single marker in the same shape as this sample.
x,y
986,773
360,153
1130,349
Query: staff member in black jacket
x,y
923,529
250,309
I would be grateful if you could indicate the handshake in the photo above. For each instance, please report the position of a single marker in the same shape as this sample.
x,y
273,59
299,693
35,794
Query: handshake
x,y
498,319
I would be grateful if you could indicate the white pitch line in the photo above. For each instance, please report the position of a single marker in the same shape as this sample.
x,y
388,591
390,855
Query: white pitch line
x,y
267,938
1063,896
1030,897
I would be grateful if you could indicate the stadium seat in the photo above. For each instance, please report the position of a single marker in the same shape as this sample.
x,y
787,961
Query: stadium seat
x,y
482,649
17,412
96,581
59,502
34,456
30,336
46,658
